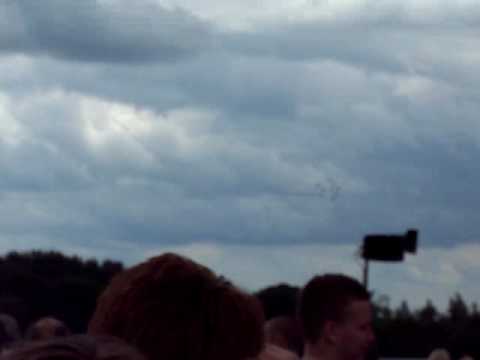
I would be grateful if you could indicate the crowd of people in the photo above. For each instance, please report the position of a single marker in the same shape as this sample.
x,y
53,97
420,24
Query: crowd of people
x,y
170,307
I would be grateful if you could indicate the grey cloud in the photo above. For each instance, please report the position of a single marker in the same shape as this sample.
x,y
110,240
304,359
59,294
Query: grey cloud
x,y
119,191
26,171
289,114
380,38
427,187
185,200
102,32
303,42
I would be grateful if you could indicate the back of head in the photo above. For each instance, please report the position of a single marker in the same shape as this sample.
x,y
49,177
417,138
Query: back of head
x,y
439,354
78,347
171,307
9,331
326,297
46,328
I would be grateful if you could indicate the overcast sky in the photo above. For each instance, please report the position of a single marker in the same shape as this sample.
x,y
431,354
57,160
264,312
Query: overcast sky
x,y
263,138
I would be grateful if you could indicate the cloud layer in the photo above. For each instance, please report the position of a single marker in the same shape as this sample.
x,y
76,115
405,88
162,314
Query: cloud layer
x,y
101,31
250,127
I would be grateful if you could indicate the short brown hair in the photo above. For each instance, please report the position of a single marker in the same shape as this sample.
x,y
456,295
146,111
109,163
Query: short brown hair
x,y
325,298
173,308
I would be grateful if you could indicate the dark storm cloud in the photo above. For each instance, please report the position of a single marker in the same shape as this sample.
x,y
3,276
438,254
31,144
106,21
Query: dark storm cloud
x,y
97,31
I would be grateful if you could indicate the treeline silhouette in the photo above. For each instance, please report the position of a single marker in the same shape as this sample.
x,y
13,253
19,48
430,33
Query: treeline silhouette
x,y
407,333
36,284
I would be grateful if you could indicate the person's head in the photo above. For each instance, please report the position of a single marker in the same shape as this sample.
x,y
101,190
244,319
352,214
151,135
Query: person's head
x,y
335,313
9,331
46,328
439,354
77,347
171,307
284,331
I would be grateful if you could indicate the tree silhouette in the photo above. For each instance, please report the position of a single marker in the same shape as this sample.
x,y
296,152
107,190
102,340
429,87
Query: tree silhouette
x,y
458,309
36,284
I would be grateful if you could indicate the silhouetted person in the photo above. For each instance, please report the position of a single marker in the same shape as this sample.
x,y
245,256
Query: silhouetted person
x,y
172,308
46,328
336,317
77,347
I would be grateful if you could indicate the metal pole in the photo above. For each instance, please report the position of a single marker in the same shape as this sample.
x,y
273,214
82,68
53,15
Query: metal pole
x,y
365,274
